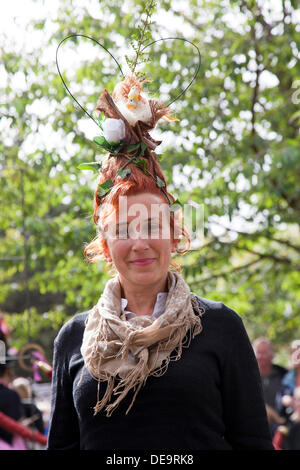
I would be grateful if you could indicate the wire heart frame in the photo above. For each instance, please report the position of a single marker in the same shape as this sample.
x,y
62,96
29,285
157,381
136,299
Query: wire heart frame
x,y
120,68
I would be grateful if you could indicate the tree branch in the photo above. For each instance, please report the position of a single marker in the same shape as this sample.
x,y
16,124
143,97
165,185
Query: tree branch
x,y
293,203
228,273
275,258
258,16
259,234
186,18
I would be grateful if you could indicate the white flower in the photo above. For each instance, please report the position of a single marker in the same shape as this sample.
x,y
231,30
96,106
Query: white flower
x,y
113,130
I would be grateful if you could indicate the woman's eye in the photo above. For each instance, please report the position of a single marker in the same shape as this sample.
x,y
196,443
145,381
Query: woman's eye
x,y
122,232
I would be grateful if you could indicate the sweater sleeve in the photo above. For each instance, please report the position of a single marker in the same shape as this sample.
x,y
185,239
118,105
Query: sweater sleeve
x,y
64,427
244,409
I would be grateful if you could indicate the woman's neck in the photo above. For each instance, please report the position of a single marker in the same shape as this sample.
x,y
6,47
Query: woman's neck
x,y
141,300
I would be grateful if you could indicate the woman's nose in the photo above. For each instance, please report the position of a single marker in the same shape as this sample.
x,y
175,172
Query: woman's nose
x,y
140,242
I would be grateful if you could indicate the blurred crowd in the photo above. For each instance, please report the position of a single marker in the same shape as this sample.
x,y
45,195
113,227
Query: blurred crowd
x,y
281,389
19,403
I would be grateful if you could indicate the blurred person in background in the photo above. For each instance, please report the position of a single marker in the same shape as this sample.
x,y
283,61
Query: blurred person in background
x,y
287,437
291,380
271,378
10,405
32,414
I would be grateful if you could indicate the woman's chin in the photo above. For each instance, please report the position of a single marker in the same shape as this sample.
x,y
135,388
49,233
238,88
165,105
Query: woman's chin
x,y
146,276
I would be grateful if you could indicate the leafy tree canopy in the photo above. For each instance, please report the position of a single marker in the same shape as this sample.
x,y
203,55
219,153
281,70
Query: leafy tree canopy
x,y
235,151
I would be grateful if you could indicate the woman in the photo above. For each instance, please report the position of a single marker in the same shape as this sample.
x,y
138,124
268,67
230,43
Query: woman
x,y
151,366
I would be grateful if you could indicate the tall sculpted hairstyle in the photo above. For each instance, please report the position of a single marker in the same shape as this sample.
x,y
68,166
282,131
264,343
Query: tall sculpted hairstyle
x,y
131,115
131,166
136,182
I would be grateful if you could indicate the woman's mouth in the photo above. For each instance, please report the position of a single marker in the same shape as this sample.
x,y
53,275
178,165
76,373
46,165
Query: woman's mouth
x,y
143,262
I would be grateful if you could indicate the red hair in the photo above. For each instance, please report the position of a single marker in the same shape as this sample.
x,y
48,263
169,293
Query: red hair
x,y
140,182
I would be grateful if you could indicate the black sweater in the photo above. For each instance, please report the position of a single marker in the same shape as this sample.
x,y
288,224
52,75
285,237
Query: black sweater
x,y
211,398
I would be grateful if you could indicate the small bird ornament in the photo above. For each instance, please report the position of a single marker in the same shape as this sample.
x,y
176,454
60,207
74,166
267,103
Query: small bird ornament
x,y
134,106
134,96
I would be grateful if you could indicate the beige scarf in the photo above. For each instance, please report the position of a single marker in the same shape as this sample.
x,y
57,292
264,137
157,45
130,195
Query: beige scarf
x,y
126,352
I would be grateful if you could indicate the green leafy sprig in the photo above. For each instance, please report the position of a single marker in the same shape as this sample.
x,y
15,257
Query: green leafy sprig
x,y
100,120
140,39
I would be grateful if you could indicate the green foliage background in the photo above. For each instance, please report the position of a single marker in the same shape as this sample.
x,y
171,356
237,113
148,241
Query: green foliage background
x,y
235,150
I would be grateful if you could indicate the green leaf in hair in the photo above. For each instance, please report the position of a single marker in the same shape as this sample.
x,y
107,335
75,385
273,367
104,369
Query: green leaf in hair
x,y
123,173
175,205
143,148
94,166
160,183
104,187
133,147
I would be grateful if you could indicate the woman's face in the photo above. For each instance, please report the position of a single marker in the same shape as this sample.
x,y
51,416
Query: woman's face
x,y
139,241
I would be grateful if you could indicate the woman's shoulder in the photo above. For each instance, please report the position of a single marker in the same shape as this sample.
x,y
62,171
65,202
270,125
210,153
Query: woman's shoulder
x,y
73,328
224,329
218,310
218,318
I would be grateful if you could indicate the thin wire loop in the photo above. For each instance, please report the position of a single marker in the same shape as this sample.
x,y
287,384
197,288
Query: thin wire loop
x,y
148,45
197,70
58,69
